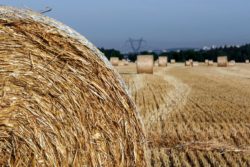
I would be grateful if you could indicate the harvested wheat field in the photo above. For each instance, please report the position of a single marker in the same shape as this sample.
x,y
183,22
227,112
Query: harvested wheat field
x,y
61,102
194,116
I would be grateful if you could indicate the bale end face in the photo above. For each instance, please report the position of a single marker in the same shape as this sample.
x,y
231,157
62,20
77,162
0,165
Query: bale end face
x,y
145,64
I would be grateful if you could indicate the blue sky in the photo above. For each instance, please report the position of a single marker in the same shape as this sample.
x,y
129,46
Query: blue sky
x,y
162,23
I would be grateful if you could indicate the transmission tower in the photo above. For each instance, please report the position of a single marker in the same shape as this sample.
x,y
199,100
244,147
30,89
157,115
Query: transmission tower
x,y
136,44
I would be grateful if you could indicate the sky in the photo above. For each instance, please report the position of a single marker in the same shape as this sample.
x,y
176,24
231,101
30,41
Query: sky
x,y
163,24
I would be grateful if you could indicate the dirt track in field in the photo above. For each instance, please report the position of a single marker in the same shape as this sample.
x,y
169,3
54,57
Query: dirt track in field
x,y
196,116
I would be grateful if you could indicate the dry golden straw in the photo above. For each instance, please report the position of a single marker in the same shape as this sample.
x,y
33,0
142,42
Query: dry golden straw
x,y
222,61
61,102
114,61
145,64
163,61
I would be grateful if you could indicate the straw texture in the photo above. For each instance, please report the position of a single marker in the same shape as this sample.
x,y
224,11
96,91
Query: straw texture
x,y
61,102
145,64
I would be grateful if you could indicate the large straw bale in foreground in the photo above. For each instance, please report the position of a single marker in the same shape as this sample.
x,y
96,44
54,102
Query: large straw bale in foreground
x,y
163,61
61,102
114,61
222,61
145,64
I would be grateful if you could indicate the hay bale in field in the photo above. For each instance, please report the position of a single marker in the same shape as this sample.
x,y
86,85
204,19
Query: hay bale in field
x,y
163,61
232,63
206,61
195,64
121,63
114,61
191,62
222,61
125,62
247,61
145,64
172,61
210,63
61,101
187,63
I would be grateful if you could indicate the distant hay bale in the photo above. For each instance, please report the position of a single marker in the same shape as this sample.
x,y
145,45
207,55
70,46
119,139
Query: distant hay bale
x,y
210,63
125,62
191,62
156,63
62,103
232,63
172,61
187,63
114,61
206,61
195,64
163,61
222,61
121,63
145,64
247,61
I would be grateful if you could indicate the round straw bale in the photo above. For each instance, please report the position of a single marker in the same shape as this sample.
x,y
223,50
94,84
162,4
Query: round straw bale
x,y
231,63
191,62
247,61
145,64
125,62
114,61
195,64
222,61
61,101
121,63
206,61
163,61
210,63
187,63
172,61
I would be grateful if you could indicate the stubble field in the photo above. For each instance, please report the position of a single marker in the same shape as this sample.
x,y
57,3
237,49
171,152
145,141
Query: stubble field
x,y
194,116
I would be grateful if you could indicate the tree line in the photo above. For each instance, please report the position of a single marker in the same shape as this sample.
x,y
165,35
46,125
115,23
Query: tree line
x,y
239,54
